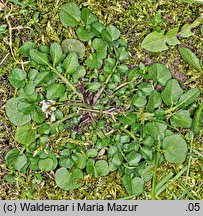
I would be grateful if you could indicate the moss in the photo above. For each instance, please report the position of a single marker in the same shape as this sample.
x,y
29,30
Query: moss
x,y
135,20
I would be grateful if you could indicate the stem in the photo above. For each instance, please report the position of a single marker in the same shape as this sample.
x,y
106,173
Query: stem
x,y
2,61
108,112
196,23
174,108
189,162
10,29
64,119
124,84
128,132
77,104
155,170
127,83
97,96
66,81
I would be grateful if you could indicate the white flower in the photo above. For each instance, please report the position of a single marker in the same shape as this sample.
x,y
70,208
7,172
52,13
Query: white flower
x,y
48,109
53,117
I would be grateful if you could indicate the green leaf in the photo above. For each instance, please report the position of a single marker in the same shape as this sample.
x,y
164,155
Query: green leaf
x,y
133,158
62,178
90,166
93,62
45,164
40,58
25,134
68,181
110,34
38,116
190,58
33,163
193,1
11,156
156,130
15,160
156,41
114,32
73,45
71,63
56,53
146,152
159,73
41,78
83,34
172,92
20,162
128,119
147,172
14,115
101,168
146,88
101,48
117,160
188,98
91,153
181,119
70,14
79,73
44,49
58,114
81,161
17,78
134,74
76,179
87,17
66,162
93,87
110,62
134,186
123,54
25,106
55,91
171,35
32,74
97,28
139,101
186,31
10,179
26,47
54,159
123,68
175,149
154,101
29,87
44,129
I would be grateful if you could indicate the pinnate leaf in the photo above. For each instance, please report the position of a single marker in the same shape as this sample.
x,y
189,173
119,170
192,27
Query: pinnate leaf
x,y
157,41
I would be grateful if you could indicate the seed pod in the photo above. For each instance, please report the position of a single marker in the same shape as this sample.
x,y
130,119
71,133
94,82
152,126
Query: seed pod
x,y
196,124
